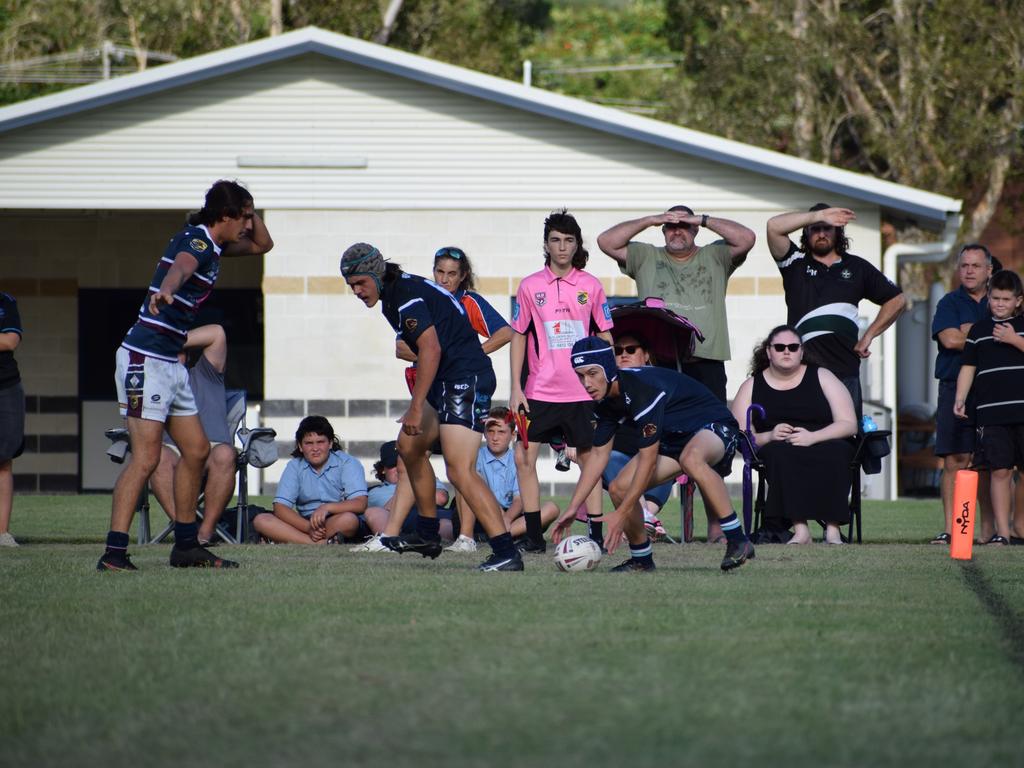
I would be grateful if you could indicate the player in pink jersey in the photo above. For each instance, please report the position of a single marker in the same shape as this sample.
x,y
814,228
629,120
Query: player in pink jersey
x,y
554,308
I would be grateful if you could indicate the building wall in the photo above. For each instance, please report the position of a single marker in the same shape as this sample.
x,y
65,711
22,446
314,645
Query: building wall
x,y
47,257
344,353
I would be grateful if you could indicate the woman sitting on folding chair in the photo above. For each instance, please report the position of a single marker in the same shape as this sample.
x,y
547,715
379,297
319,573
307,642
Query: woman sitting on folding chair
x,y
801,440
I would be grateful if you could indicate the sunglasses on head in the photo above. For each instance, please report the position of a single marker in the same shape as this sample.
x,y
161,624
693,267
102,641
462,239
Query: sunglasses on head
x,y
786,347
449,253
627,349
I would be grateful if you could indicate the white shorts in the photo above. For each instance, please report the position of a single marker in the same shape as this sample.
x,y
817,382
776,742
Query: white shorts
x,y
150,388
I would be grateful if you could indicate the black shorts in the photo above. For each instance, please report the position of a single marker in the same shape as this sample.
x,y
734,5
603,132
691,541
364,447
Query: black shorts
x,y
465,402
572,422
672,443
1000,446
12,422
952,435
409,524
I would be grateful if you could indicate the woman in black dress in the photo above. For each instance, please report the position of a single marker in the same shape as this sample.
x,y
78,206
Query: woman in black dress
x,y
809,413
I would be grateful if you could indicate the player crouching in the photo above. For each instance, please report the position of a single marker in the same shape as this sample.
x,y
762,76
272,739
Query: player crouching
x,y
683,428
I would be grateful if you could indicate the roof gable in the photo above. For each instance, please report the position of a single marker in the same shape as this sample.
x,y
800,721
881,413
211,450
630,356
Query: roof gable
x,y
932,209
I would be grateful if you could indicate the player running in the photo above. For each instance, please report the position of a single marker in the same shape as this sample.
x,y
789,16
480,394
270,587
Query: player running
x,y
450,399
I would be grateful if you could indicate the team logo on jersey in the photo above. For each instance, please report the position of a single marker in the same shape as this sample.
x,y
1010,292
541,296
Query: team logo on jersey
x,y
515,310
540,298
582,297
607,312
649,430
133,402
812,272
155,398
846,274
197,245
411,323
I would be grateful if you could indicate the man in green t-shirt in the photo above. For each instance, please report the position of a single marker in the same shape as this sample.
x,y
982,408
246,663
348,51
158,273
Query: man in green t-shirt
x,y
691,279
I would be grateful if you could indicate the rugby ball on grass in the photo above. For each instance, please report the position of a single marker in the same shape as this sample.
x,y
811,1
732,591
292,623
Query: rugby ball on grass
x,y
577,553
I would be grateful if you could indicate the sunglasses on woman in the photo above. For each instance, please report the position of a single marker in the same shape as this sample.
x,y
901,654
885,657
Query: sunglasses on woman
x,y
785,347
449,253
627,349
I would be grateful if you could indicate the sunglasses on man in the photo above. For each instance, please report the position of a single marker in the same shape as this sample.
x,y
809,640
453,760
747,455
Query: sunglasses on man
x,y
679,225
785,347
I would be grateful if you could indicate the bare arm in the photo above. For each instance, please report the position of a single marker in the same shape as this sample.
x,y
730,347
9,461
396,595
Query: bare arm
x,y
954,338
887,315
293,518
404,352
780,227
214,343
615,241
964,381
517,356
741,403
252,243
181,270
9,341
740,239
590,476
497,340
427,363
844,417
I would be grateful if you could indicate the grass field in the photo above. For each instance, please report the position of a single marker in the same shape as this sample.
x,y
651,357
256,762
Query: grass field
x,y
884,654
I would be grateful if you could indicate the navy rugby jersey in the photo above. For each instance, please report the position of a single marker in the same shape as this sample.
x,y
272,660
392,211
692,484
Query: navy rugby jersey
x,y
658,401
412,304
822,304
164,336
10,322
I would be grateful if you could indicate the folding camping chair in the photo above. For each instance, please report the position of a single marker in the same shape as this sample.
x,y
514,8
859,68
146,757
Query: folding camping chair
x,y
870,448
255,447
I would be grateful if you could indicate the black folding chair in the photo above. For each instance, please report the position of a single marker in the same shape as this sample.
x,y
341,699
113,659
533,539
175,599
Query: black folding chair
x,y
255,447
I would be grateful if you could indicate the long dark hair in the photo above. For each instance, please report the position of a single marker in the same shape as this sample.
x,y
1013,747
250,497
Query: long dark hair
x,y
842,241
565,222
315,425
468,280
223,199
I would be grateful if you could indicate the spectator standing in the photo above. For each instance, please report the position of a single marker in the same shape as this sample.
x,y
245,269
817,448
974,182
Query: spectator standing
x,y
992,365
823,283
12,412
955,439
691,279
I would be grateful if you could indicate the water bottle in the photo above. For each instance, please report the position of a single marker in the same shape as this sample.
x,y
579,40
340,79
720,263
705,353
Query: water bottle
x,y
867,424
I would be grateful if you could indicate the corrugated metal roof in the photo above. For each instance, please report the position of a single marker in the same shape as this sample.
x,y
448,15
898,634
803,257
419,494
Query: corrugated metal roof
x,y
931,208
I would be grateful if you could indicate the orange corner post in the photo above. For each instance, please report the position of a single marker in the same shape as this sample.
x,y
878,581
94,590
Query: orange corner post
x,y
965,499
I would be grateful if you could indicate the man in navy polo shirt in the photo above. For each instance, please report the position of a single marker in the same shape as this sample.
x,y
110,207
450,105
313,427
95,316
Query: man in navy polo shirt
x,y
955,313
823,284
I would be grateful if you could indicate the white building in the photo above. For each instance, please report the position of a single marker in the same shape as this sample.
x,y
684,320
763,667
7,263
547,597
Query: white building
x,y
342,140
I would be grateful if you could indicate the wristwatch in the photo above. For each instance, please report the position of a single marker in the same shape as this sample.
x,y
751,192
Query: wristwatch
x,y
704,220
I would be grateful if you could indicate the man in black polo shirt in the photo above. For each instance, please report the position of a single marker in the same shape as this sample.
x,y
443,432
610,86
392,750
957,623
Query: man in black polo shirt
x,y
823,284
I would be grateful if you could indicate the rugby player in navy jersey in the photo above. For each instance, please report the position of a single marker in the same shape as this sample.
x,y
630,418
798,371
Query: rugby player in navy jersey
x,y
450,400
683,428
152,385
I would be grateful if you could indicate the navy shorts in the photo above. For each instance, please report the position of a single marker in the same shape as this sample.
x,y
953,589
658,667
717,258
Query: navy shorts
x,y
952,435
672,443
571,422
1001,446
465,402
12,422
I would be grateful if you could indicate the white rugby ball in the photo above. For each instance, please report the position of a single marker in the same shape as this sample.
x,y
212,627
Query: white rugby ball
x,y
577,553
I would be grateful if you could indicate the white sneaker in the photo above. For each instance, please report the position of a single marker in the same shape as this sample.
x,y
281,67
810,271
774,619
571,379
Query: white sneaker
x,y
6,540
461,544
372,544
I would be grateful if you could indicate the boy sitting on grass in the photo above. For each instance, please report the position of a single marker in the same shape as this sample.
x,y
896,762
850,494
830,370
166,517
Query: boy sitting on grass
x,y
993,367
